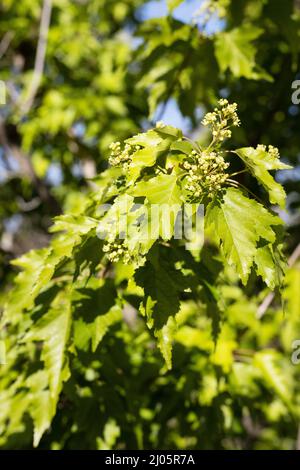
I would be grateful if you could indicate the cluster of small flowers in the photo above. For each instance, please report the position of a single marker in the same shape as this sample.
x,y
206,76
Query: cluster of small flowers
x,y
117,250
221,119
272,151
121,157
205,173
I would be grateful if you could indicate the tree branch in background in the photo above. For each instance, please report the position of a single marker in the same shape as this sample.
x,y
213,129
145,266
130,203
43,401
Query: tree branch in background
x,y
26,169
5,145
39,58
9,149
5,42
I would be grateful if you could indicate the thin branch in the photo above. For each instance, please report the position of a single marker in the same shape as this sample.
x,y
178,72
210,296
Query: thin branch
x,y
39,58
238,173
6,151
5,42
13,150
30,205
40,186
13,92
89,168
294,256
26,168
270,297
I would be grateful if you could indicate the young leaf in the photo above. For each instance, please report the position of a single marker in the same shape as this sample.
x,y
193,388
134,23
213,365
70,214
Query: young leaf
x,y
274,375
53,331
162,189
268,265
164,192
238,223
102,324
235,51
162,284
260,162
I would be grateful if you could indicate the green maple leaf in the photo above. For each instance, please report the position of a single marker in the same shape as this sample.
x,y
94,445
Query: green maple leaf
x,y
73,225
142,158
39,266
235,51
145,139
96,309
292,293
103,323
26,282
269,265
274,375
116,218
163,191
238,223
52,330
39,403
162,284
260,162
292,299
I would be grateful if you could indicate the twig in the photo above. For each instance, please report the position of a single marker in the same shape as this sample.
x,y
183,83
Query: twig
x,y
5,145
13,92
89,168
5,42
27,169
294,256
10,149
270,297
39,58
